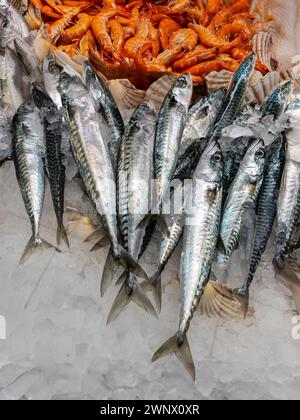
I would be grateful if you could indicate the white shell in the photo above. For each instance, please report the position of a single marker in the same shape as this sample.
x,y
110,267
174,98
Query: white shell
x,y
218,80
127,96
159,89
260,90
262,46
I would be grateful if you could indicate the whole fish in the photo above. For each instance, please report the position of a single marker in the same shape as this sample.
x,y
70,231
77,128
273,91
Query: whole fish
x,y
52,120
96,170
199,242
111,118
235,96
5,136
266,210
167,247
277,102
169,130
135,171
242,195
29,165
12,24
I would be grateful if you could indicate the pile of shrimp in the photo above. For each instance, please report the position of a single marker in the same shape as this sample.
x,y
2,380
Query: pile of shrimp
x,y
142,40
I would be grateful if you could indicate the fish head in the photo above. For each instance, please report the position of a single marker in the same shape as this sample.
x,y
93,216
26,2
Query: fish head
x,y
246,68
93,82
211,164
144,119
182,90
253,163
40,96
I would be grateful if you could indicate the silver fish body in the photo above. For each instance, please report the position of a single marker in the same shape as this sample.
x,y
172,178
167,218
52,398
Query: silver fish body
x,y
134,176
235,96
266,207
5,136
90,151
277,102
242,194
111,119
169,131
28,155
200,118
199,242
288,211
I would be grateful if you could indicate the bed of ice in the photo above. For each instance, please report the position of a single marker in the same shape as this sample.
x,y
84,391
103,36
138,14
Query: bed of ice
x,y
59,347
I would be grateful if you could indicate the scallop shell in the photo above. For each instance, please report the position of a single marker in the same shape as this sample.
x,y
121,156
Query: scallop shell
x,y
294,72
126,96
159,89
258,92
262,45
256,77
218,80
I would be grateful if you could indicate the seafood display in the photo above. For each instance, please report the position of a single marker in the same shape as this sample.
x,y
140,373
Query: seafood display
x,y
127,39
210,172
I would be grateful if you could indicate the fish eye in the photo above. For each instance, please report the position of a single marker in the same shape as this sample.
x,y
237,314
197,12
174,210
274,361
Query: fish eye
x,y
260,153
182,81
217,157
5,22
137,125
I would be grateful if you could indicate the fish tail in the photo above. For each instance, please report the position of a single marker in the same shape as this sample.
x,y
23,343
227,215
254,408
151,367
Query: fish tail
x,y
128,293
182,351
62,235
95,236
242,295
154,285
129,263
34,245
102,243
109,269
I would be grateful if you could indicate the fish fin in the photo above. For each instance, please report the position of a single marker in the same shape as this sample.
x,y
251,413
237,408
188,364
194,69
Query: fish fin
x,y
102,243
62,235
128,262
108,272
35,244
135,294
159,219
79,224
219,301
183,354
121,279
154,285
95,236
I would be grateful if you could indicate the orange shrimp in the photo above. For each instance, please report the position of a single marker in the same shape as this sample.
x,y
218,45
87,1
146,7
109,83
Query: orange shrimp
x,y
110,4
240,6
238,26
136,44
228,63
200,12
57,27
70,49
78,30
99,27
198,80
47,11
117,35
154,36
227,47
186,39
178,6
213,6
167,57
205,68
52,4
206,36
195,57
166,28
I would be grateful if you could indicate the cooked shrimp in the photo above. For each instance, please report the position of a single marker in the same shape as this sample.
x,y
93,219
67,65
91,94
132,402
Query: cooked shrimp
x,y
205,68
193,58
78,30
136,44
239,54
213,6
239,26
154,36
110,4
206,36
166,28
117,35
186,39
167,57
56,28
240,6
